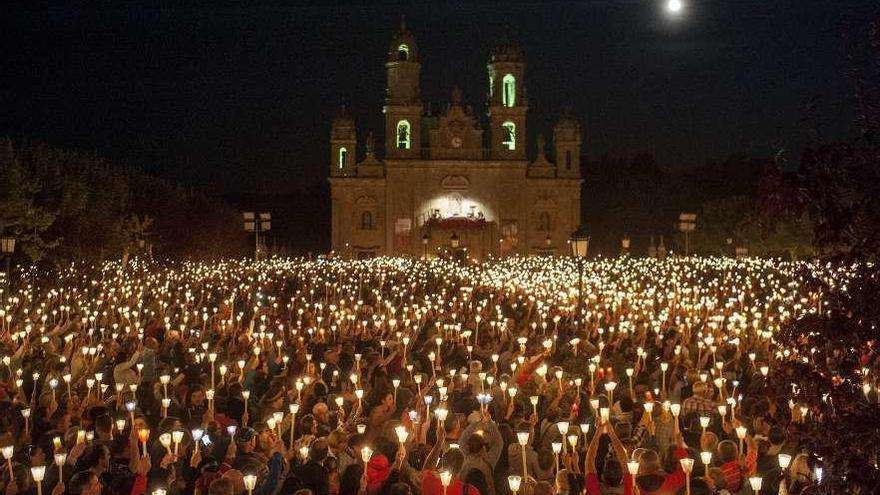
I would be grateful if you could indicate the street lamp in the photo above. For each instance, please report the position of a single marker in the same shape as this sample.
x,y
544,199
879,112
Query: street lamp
x,y
454,241
624,245
580,243
687,223
257,223
425,239
7,247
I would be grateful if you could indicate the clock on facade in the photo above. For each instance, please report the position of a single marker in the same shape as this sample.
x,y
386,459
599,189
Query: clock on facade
x,y
456,142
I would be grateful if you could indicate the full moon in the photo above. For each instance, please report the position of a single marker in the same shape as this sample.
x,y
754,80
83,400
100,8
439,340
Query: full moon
x,y
674,6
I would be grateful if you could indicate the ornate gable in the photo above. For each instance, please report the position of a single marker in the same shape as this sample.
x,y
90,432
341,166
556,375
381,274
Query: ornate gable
x,y
457,136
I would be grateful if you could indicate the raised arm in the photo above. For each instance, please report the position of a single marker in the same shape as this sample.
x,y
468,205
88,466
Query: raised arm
x,y
592,449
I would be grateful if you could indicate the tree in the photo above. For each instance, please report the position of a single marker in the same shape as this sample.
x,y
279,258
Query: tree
x,y
65,205
19,214
833,353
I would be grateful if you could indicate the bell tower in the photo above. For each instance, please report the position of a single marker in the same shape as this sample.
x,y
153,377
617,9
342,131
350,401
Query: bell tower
x,y
507,103
343,142
403,104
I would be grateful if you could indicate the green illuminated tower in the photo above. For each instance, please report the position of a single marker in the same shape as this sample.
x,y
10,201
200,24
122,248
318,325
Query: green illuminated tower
x,y
343,141
403,104
507,103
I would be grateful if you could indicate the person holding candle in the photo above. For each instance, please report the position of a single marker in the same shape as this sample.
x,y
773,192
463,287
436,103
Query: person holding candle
x,y
312,474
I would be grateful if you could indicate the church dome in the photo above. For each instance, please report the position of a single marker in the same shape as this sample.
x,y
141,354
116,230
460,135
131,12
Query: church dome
x,y
567,122
343,118
403,46
507,51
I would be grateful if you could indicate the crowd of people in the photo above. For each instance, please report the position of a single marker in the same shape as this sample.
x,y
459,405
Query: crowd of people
x,y
403,376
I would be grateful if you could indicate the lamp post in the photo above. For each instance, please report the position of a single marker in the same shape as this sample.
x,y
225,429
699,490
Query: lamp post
x,y
548,244
454,242
580,244
425,240
687,223
257,223
7,247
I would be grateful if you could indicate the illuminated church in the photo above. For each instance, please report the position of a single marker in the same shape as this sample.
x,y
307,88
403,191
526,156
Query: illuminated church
x,y
451,183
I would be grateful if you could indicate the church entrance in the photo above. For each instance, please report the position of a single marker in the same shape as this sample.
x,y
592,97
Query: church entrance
x,y
459,238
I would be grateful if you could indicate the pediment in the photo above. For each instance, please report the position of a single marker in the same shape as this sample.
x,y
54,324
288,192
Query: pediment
x,y
545,202
366,201
455,182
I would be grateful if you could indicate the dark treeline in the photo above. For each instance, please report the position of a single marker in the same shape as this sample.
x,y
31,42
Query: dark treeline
x,y
64,205
300,220
739,202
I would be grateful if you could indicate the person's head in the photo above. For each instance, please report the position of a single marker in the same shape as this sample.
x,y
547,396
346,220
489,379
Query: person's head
x,y
477,479
236,478
727,451
700,389
452,461
36,455
542,488
388,400
708,442
337,440
221,486
246,440
197,397
318,450
476,444
649,462
308,425
321,412
400,488
776,436
104,425
612,473
96,458
266,438
273,399
562,483
649,478
452,425
84,483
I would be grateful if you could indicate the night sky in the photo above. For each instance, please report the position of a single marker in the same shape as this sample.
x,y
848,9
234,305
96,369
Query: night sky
x,y
238,100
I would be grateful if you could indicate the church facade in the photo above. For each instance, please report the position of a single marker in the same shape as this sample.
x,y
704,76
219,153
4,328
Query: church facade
x,y
449,184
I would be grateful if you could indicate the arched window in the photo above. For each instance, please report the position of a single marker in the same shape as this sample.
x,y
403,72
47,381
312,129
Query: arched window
x,y
403,52
509,140
343,157
366,221
403,135
567,159
544,221
508,95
